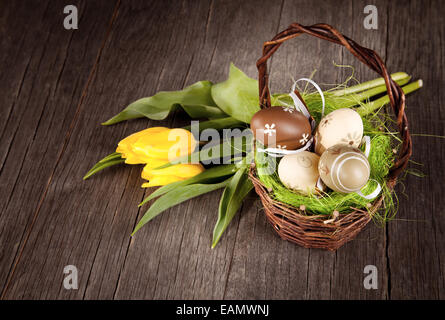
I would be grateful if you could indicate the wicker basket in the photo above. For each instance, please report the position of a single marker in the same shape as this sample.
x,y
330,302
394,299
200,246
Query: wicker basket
x,y
295,224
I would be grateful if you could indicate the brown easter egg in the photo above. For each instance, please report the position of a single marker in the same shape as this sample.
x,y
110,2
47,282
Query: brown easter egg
x,y
281,127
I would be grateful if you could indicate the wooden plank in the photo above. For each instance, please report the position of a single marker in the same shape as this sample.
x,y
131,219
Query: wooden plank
x,y
179,262
181,35
44,72
416,237
81,225
264,266
369,248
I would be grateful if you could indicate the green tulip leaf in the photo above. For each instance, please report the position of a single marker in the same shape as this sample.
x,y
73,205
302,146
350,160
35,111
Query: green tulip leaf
x,y
196,100
206,176
238,95
108,161
232,147
231,201
177,196
112,156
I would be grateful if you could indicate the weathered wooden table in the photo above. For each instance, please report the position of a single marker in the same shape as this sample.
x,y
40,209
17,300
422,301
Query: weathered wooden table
x,y
58,85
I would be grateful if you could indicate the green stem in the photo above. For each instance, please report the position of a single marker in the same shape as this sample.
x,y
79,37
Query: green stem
x,y
348,100
376,104
369,84
354,98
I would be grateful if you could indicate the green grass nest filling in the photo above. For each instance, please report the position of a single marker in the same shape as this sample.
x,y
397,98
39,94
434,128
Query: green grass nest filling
x,y
381,158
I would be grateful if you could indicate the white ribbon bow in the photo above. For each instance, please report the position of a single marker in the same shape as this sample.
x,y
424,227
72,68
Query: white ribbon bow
x,y
299,105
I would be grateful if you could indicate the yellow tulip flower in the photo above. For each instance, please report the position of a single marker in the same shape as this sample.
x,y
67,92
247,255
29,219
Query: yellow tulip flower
x,y
157,146
125,147
177,172
157,143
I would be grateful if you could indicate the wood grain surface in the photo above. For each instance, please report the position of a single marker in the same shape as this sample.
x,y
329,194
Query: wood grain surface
x,y
57,86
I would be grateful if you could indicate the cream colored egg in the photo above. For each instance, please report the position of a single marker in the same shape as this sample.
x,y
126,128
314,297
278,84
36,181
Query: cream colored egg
x,y
340,126
344,168
299,171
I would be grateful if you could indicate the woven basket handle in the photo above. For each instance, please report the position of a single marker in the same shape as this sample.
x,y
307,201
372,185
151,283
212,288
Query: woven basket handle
x,y
367,56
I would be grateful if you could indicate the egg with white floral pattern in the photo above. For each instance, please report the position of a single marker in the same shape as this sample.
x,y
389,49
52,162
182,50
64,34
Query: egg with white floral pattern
x,y
342,126
281,127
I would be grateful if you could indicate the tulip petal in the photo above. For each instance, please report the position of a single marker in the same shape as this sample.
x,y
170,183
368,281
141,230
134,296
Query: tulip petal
x,y
161,181
168,144
125,146
178,170
150,166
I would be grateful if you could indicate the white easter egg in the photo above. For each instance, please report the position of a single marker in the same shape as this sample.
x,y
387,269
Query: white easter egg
x,y
344,168
341,126
299,171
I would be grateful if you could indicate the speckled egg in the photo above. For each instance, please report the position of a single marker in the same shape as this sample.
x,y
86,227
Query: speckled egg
x,y
340,126
299,171
281,127
344,168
